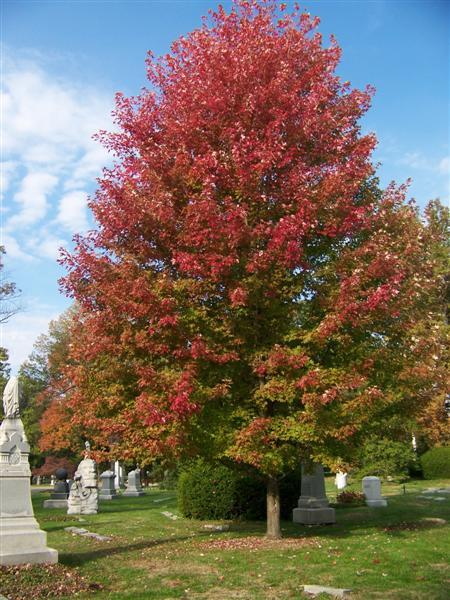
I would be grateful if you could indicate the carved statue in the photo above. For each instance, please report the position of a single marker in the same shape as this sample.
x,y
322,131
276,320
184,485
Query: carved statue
x,y
11,399
83,496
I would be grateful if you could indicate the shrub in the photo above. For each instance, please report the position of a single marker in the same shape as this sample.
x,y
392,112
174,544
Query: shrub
x,y
436,463
208,491
354,498
386,458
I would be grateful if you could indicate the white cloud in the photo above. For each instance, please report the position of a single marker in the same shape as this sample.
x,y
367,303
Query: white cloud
x,y
46,245
415,160
72,214
21,331
14,249
47,128
444,165
88,167
39,110
32,197
8,171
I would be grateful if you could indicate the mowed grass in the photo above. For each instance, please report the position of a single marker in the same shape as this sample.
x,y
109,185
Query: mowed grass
x,y
398,552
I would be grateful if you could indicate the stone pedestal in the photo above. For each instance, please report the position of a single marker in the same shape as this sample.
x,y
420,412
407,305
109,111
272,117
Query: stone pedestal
x,y
134,487
371,487
21,539
313,507
108,490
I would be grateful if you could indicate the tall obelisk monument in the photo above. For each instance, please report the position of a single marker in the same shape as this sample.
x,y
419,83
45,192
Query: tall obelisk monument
x,y
21,539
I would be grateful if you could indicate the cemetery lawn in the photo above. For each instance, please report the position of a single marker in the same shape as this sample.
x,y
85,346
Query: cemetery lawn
x,y
399,552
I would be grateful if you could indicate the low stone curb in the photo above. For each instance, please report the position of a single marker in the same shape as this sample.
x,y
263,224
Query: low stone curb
x,y
169,515
315,590
217,527
86,533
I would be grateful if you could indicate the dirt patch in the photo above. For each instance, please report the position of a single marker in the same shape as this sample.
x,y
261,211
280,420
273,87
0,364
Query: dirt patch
x,y
35,582
59,518
425,523
167,567
254,544
221,593
440,566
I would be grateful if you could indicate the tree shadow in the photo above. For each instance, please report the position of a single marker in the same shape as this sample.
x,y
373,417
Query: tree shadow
x,y
75,559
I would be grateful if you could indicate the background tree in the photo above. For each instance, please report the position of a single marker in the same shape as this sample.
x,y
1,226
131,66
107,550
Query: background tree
x,y
433,330
41,379
4,370
9,293
249,292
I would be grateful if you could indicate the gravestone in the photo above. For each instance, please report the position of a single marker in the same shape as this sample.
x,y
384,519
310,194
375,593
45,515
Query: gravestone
x,y
371,487
21,539
107,490
313,507
83,496
134,487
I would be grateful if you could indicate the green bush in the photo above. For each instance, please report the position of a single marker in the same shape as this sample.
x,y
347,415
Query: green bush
x,y
383,457
436,463
208,491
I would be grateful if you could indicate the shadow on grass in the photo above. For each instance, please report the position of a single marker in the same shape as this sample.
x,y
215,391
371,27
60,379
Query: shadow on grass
x,y
75,559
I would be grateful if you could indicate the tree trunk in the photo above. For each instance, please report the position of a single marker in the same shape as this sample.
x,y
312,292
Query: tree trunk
x,y
273,509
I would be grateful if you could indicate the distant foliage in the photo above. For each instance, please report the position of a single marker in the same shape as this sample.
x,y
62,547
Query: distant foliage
x,y
385,458
436,463
52,463
218,492
169,480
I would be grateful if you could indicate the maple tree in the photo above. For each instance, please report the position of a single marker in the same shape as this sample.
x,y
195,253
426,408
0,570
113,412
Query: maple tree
x,y
249,292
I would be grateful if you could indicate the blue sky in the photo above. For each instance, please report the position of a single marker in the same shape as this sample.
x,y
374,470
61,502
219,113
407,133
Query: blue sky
x,y
63,61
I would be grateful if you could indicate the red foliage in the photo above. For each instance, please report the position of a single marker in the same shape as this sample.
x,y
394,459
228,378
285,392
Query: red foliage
x,y
52,463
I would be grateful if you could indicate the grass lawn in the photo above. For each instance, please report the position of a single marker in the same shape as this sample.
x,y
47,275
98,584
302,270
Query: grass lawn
x,y
398,552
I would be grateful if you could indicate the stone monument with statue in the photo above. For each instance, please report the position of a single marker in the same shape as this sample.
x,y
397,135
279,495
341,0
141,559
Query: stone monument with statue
x,y
83,495
21,539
